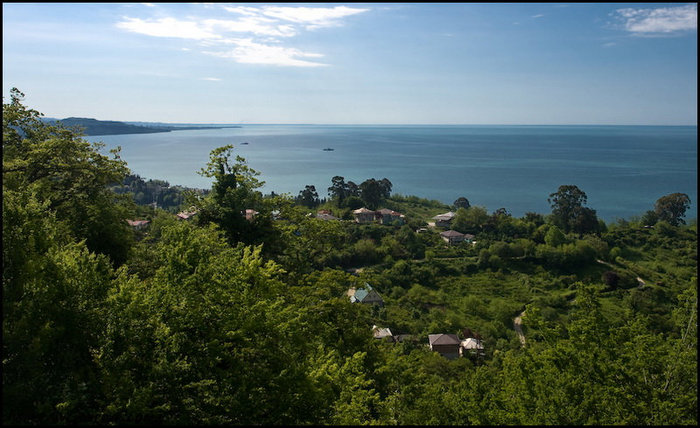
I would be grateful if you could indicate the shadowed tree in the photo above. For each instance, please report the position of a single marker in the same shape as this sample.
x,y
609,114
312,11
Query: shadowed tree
x,y
568,211
339,190
461,202
234,192
371,192
672,208
70,174
308,197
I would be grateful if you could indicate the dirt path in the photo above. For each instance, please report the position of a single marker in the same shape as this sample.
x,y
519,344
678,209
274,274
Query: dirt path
x,y
517,326
641,282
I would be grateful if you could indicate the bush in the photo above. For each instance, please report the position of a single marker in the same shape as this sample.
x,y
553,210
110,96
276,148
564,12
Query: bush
x,y
611,279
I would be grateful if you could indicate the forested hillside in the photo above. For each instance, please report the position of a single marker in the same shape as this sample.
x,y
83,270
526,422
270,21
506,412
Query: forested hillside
x,y
88,126
240,313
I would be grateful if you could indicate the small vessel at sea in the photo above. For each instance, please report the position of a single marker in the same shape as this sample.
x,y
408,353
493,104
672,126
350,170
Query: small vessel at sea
x,y
328,149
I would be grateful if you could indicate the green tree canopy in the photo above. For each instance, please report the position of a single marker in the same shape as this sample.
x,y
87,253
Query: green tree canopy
x,y
671,208
568,211
461,202
70,174
339,190
470,220
308,197
233,192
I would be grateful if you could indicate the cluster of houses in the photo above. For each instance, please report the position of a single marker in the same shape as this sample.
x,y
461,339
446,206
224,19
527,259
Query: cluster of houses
x,y
452,237
451,346
187,215
383,216
446,344
362,215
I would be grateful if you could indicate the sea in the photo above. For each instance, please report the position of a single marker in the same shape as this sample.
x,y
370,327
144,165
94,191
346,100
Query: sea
x,y
622,169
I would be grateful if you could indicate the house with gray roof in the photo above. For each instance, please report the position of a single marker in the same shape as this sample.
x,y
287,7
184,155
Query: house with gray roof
x,y
452,237
471,346
382,333
325,215
445,344
386,216
444,220
366,295
364,215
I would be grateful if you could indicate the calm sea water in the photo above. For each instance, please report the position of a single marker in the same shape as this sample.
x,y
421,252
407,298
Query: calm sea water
x,y
622,169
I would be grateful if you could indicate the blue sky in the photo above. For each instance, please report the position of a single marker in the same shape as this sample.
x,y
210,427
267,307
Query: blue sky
x,y
356,63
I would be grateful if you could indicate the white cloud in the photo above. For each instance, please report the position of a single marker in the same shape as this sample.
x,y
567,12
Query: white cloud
x,y
211,79
254,32
664,20
243,10
167,27
537,16
250,52
313,17
255,25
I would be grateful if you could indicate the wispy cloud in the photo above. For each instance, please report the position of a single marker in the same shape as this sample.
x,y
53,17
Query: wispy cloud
x,y
311,17
254,31
168,27
658,21
250,52
539,15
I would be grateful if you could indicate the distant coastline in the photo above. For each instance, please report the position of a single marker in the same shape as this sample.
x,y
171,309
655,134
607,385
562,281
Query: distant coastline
x,y
92,127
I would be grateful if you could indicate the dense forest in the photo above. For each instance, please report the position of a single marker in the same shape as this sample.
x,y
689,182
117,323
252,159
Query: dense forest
x,y
241,313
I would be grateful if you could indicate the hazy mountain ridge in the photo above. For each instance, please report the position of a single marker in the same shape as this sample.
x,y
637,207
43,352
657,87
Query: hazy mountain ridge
x,y
111,127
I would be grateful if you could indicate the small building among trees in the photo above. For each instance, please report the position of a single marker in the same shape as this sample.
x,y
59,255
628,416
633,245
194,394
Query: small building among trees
x,y
447,345
138,224
364,215
452,237
366,295
386,216
186,215
444,220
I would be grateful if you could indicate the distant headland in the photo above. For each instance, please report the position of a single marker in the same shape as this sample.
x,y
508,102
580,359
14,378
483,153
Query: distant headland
x,y
110,127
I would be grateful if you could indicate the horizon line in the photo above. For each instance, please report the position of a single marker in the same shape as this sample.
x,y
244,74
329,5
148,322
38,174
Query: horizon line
x,y
378,124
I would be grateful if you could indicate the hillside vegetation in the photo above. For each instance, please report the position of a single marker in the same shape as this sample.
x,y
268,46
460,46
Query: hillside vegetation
x,y
240,315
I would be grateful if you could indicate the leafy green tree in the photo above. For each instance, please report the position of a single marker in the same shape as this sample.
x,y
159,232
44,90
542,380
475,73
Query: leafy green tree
x,y
70,174
385,186
671,208
354,202
339,190
54,292
470,220
535,218
568,211
309,243
373,192
358,399
308,197
461,202
233,192
554,237
649,218
199,343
